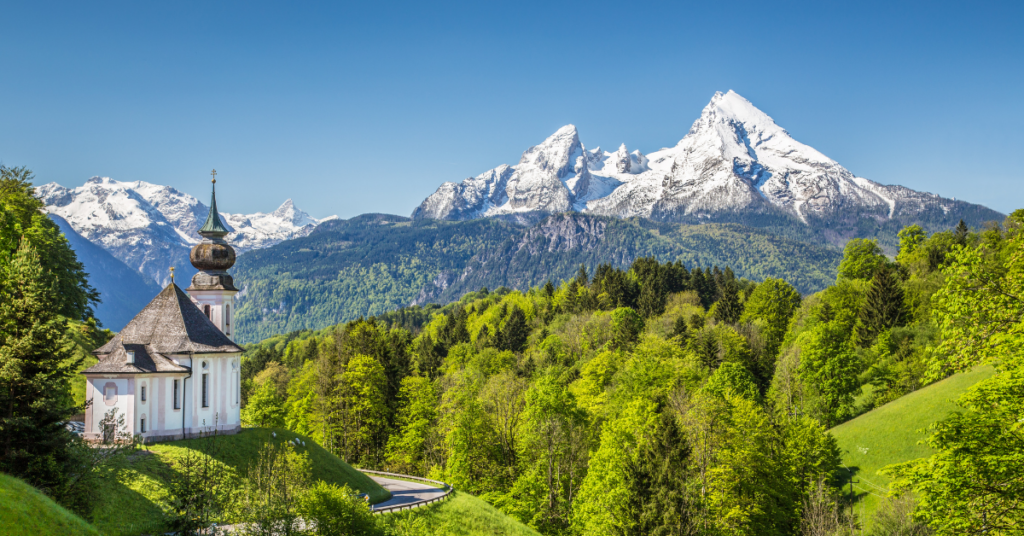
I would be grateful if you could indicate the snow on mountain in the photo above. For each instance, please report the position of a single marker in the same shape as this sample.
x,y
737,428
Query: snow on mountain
x,y
734,159
152,227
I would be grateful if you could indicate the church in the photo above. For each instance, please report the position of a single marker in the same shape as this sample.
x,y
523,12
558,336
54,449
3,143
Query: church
x,y
174,370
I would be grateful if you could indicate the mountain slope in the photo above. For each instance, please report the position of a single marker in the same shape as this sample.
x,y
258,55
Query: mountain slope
x,y
893,433
152,227
368,265
734,165
123,291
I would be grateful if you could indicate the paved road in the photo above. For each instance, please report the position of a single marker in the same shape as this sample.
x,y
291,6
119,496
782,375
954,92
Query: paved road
x,y
405,492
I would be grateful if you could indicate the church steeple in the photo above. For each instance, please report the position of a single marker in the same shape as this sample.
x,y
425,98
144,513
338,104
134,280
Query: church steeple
x,y
212,287
213,228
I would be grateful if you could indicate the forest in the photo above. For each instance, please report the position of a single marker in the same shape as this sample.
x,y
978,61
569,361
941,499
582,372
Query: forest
x,y
375,263
659,398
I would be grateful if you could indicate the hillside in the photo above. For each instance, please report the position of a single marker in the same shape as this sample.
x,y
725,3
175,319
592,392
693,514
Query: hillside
x,y
462,515
25,511
135,499
892,434
372,264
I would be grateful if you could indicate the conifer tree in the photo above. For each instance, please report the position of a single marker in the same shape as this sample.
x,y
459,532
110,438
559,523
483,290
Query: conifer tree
x,y
960,233
884,307
513,335
36,368
729,308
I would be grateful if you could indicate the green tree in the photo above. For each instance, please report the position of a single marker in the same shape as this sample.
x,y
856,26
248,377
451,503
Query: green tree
x,y
626,328
828,365
408,446
884,307
24,222
37,365
513,334
363,411
264,409
770,306
861,258
729,309
332,510
734,380
974,483
911,238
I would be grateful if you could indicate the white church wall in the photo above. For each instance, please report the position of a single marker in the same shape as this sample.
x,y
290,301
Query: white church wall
x,y
111,393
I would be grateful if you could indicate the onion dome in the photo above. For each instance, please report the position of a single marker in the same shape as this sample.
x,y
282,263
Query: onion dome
x,y
213,256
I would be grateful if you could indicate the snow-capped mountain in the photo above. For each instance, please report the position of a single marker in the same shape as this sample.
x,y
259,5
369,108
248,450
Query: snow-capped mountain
x,y
152,227
735,160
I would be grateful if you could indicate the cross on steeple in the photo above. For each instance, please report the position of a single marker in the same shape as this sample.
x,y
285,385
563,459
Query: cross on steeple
x,y
172,274
214,175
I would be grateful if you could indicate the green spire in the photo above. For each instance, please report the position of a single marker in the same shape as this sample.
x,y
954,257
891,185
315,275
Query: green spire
x,y
213,226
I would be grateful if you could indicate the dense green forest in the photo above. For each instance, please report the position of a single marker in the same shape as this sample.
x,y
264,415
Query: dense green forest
x,y
658,399
371,264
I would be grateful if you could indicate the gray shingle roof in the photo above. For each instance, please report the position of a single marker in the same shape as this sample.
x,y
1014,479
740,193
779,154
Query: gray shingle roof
x,y
146,361
171,324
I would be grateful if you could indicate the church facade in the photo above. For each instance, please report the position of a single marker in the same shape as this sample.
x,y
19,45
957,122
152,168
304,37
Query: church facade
x,y
174,370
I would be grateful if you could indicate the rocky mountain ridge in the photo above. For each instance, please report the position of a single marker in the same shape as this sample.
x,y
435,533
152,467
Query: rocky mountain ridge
x,y
151,227
734,165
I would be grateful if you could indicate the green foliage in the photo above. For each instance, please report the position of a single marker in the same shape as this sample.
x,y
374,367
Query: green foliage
x,y
861,259
337,511
23,224
883,308
627,325
37,366
264,409
829,364
732,379
973,483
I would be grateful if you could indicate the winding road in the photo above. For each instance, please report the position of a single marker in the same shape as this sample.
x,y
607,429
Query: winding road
x,y
405,492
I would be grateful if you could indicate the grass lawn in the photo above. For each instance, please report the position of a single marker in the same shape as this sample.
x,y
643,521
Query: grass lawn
x,y
461,515
892,434
135,498
25,511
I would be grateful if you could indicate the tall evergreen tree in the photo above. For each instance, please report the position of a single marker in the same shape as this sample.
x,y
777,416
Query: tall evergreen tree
x,y
884,307
513,335
960,233
729,307
36,369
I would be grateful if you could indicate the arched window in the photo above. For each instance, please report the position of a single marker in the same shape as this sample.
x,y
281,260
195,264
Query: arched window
x,y
206,311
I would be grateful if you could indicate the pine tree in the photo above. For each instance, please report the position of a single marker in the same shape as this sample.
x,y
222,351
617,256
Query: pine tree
x,y
729,308
884,307
652,296
549,289
36,369
960,233
513,335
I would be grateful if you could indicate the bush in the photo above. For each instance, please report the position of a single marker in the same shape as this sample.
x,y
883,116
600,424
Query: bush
x,y
331,510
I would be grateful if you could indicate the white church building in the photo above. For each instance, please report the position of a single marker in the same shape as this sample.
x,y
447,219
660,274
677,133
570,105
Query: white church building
x,y
174,370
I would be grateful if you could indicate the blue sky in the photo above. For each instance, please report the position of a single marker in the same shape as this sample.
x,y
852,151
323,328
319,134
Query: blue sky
x,y
368,107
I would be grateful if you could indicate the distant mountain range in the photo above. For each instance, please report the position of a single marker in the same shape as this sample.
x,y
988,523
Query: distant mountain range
x,y
737,190
138,230
152,228
734,165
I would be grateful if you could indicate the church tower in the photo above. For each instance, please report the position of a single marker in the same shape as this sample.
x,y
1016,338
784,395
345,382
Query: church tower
x,y
213,289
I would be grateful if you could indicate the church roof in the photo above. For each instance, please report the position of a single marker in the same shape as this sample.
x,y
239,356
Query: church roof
x,y
146,361
170,324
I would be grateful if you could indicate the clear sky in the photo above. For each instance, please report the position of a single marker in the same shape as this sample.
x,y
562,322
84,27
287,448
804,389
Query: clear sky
x,y
367,107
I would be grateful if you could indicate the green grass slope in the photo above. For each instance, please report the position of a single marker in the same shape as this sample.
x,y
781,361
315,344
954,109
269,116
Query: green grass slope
x,y
24,510
892,434
135,497
462,515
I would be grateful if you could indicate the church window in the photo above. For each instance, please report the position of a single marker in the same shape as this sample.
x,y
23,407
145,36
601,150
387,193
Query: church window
x,y
227,314
206,311
177,399
142,425
206,391
143,393
110,393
